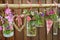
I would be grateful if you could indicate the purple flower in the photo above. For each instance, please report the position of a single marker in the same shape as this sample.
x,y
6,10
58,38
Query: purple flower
x,y
51,12
8,27
9,17
8,11
42,14
1,28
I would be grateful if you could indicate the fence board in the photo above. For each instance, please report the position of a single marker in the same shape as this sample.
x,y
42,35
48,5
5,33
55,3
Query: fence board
x,y
55,37
42,30
18,35
59,28
59,34
49,36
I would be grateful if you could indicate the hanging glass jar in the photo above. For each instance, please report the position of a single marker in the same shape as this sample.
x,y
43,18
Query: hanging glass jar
x,y
55,28
30,23
31,28
8,30
39,19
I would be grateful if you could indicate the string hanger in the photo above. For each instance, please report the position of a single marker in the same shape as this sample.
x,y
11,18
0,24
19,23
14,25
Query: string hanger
x,y
7,9
19,8
51,7
30,4
56,5
7,4
19,17
39,2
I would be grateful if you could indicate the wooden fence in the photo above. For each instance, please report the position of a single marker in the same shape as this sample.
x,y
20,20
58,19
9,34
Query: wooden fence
x,y
41,33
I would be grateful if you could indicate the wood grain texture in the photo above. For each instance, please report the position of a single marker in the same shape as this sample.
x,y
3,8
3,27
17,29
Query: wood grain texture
x,y
55,37
49,36
42,30
59,28
58,34
18,35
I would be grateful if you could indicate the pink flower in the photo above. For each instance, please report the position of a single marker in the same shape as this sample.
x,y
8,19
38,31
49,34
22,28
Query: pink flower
x,y
28,18
22,16
9,17
47,13
19,20
51,12
1,28
49,24
11,27
7,11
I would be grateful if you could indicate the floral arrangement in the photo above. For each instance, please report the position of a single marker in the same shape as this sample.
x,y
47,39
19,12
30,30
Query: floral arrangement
x,y
38,17
51,15
7,25
34,19
31,29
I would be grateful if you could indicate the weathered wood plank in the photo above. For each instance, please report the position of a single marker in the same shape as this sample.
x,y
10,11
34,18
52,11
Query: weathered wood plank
x,y
55,37
0,1
22,6
42,30
59,34
18,35
49,36
9,1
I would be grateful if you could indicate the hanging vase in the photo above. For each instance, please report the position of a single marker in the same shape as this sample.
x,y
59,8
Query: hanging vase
x,y
56,25
8,30
30,23
58,22
39,19
31,29
55,28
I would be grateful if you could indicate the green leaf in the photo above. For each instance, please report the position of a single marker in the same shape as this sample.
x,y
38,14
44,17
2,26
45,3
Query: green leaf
x,y
5,25
7,31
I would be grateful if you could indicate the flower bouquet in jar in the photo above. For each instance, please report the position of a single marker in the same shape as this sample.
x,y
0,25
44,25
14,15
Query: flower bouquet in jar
x,y
30,23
